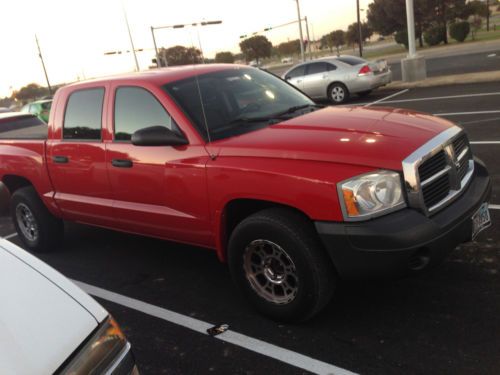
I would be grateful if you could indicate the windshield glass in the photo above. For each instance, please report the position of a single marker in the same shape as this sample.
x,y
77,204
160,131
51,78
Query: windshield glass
x,y
236,101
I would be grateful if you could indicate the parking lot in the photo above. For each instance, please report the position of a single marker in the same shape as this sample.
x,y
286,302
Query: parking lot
x,y
165,294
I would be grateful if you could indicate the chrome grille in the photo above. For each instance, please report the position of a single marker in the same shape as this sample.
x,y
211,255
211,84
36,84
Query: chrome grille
x,y
438,172
432,166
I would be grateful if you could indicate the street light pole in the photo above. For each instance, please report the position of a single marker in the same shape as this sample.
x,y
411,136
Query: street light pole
x,y
410,20
156,48
300,32
43,65
360,31
130,37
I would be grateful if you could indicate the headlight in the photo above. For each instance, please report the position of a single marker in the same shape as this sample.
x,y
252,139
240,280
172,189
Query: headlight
x,y
106,352
370,195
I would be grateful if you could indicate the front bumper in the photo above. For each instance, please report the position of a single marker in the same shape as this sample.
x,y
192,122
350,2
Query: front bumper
x,y
405,241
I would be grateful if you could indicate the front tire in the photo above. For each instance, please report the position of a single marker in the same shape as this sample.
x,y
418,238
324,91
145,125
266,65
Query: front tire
x,y
277,260
39,230
338,93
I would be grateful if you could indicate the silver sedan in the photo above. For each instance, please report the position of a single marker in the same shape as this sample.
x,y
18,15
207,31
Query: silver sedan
x,y
337,78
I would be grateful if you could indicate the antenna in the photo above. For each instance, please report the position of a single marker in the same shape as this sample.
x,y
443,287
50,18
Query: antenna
x,y
43,65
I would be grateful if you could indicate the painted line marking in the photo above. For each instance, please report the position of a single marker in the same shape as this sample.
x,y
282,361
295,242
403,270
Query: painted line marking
x,y
387,97
255,345
485,143
465,113
12,235
479,121
442,97
492,55
494,206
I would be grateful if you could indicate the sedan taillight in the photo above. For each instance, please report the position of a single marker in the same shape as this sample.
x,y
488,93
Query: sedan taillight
x,y
365,70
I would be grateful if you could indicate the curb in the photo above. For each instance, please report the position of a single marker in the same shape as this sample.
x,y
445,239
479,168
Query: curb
x,y
458,79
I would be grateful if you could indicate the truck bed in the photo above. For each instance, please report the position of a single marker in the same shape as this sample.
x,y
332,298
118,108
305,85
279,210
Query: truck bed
x,y
17,125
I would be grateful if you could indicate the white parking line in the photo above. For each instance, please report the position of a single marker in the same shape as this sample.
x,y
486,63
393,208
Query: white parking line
x,y
258,346
465,113
494,206
12,235
387,97
485,143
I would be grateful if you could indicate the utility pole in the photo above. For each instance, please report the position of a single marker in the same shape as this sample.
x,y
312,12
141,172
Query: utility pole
x,y
43,65
488,15
308,39
130,37
300,32
360,35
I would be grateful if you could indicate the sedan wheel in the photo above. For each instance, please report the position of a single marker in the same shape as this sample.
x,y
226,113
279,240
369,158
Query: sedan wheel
x,y
338,93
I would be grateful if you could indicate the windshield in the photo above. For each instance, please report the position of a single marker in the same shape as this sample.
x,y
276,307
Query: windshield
x,y
236,101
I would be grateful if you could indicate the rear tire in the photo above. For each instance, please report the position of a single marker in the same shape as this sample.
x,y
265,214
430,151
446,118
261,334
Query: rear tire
x,y
338,93
39,230
276,259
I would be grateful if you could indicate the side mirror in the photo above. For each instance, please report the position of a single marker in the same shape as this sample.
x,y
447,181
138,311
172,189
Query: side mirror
x,y
157,136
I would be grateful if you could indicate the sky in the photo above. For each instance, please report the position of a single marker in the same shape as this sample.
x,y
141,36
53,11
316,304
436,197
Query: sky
x,y
75,34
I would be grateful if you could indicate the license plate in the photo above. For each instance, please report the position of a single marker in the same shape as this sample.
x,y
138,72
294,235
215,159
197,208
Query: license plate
x,y
480,220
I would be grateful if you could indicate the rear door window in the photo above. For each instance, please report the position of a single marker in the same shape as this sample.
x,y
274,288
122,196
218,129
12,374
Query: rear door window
x,y
136,108
297,72
83,117
315,68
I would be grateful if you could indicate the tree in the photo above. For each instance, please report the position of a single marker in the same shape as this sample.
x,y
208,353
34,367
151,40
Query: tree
x,y
352,35
179,55
224,57
338,39
289,48
389,16
30,92
459,30
256,47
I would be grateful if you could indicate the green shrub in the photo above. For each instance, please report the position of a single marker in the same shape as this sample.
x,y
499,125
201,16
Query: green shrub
x,y
459,30
401,37
434,35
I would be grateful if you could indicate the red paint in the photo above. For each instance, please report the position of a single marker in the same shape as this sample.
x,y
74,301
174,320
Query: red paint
x,y
180,193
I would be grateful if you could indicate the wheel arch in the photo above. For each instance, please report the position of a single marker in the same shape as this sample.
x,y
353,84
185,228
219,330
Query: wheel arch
x,y
15,182
333,83
237,210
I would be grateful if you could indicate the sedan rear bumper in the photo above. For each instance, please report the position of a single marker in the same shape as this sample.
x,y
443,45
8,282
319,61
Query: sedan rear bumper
x,y
370,82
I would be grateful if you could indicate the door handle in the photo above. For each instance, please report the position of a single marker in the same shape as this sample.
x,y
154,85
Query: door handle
x,y
60,159
122,163
325,76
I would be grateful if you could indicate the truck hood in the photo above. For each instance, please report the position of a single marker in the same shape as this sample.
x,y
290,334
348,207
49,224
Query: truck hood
x,y
44,317
373,137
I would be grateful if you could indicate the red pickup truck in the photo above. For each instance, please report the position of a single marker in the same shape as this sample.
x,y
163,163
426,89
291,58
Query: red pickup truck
x,y
292,195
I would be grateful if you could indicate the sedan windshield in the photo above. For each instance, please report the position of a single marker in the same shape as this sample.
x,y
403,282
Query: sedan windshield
x,y
236,101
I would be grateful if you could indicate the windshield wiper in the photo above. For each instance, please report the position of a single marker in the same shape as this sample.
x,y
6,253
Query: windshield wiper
x,y
275,116
251,120
295,109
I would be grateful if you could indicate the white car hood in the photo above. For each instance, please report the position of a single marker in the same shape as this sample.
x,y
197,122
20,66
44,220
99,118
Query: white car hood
x,y
43,316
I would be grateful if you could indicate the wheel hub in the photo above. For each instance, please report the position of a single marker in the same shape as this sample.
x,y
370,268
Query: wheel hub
x,y
270,272
26,222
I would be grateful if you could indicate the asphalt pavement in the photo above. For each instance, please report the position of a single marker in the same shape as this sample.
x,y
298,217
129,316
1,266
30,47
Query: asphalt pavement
x,y
445,321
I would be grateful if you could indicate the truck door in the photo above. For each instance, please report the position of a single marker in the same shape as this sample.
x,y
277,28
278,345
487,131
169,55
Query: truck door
x,y
76,158
157,190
